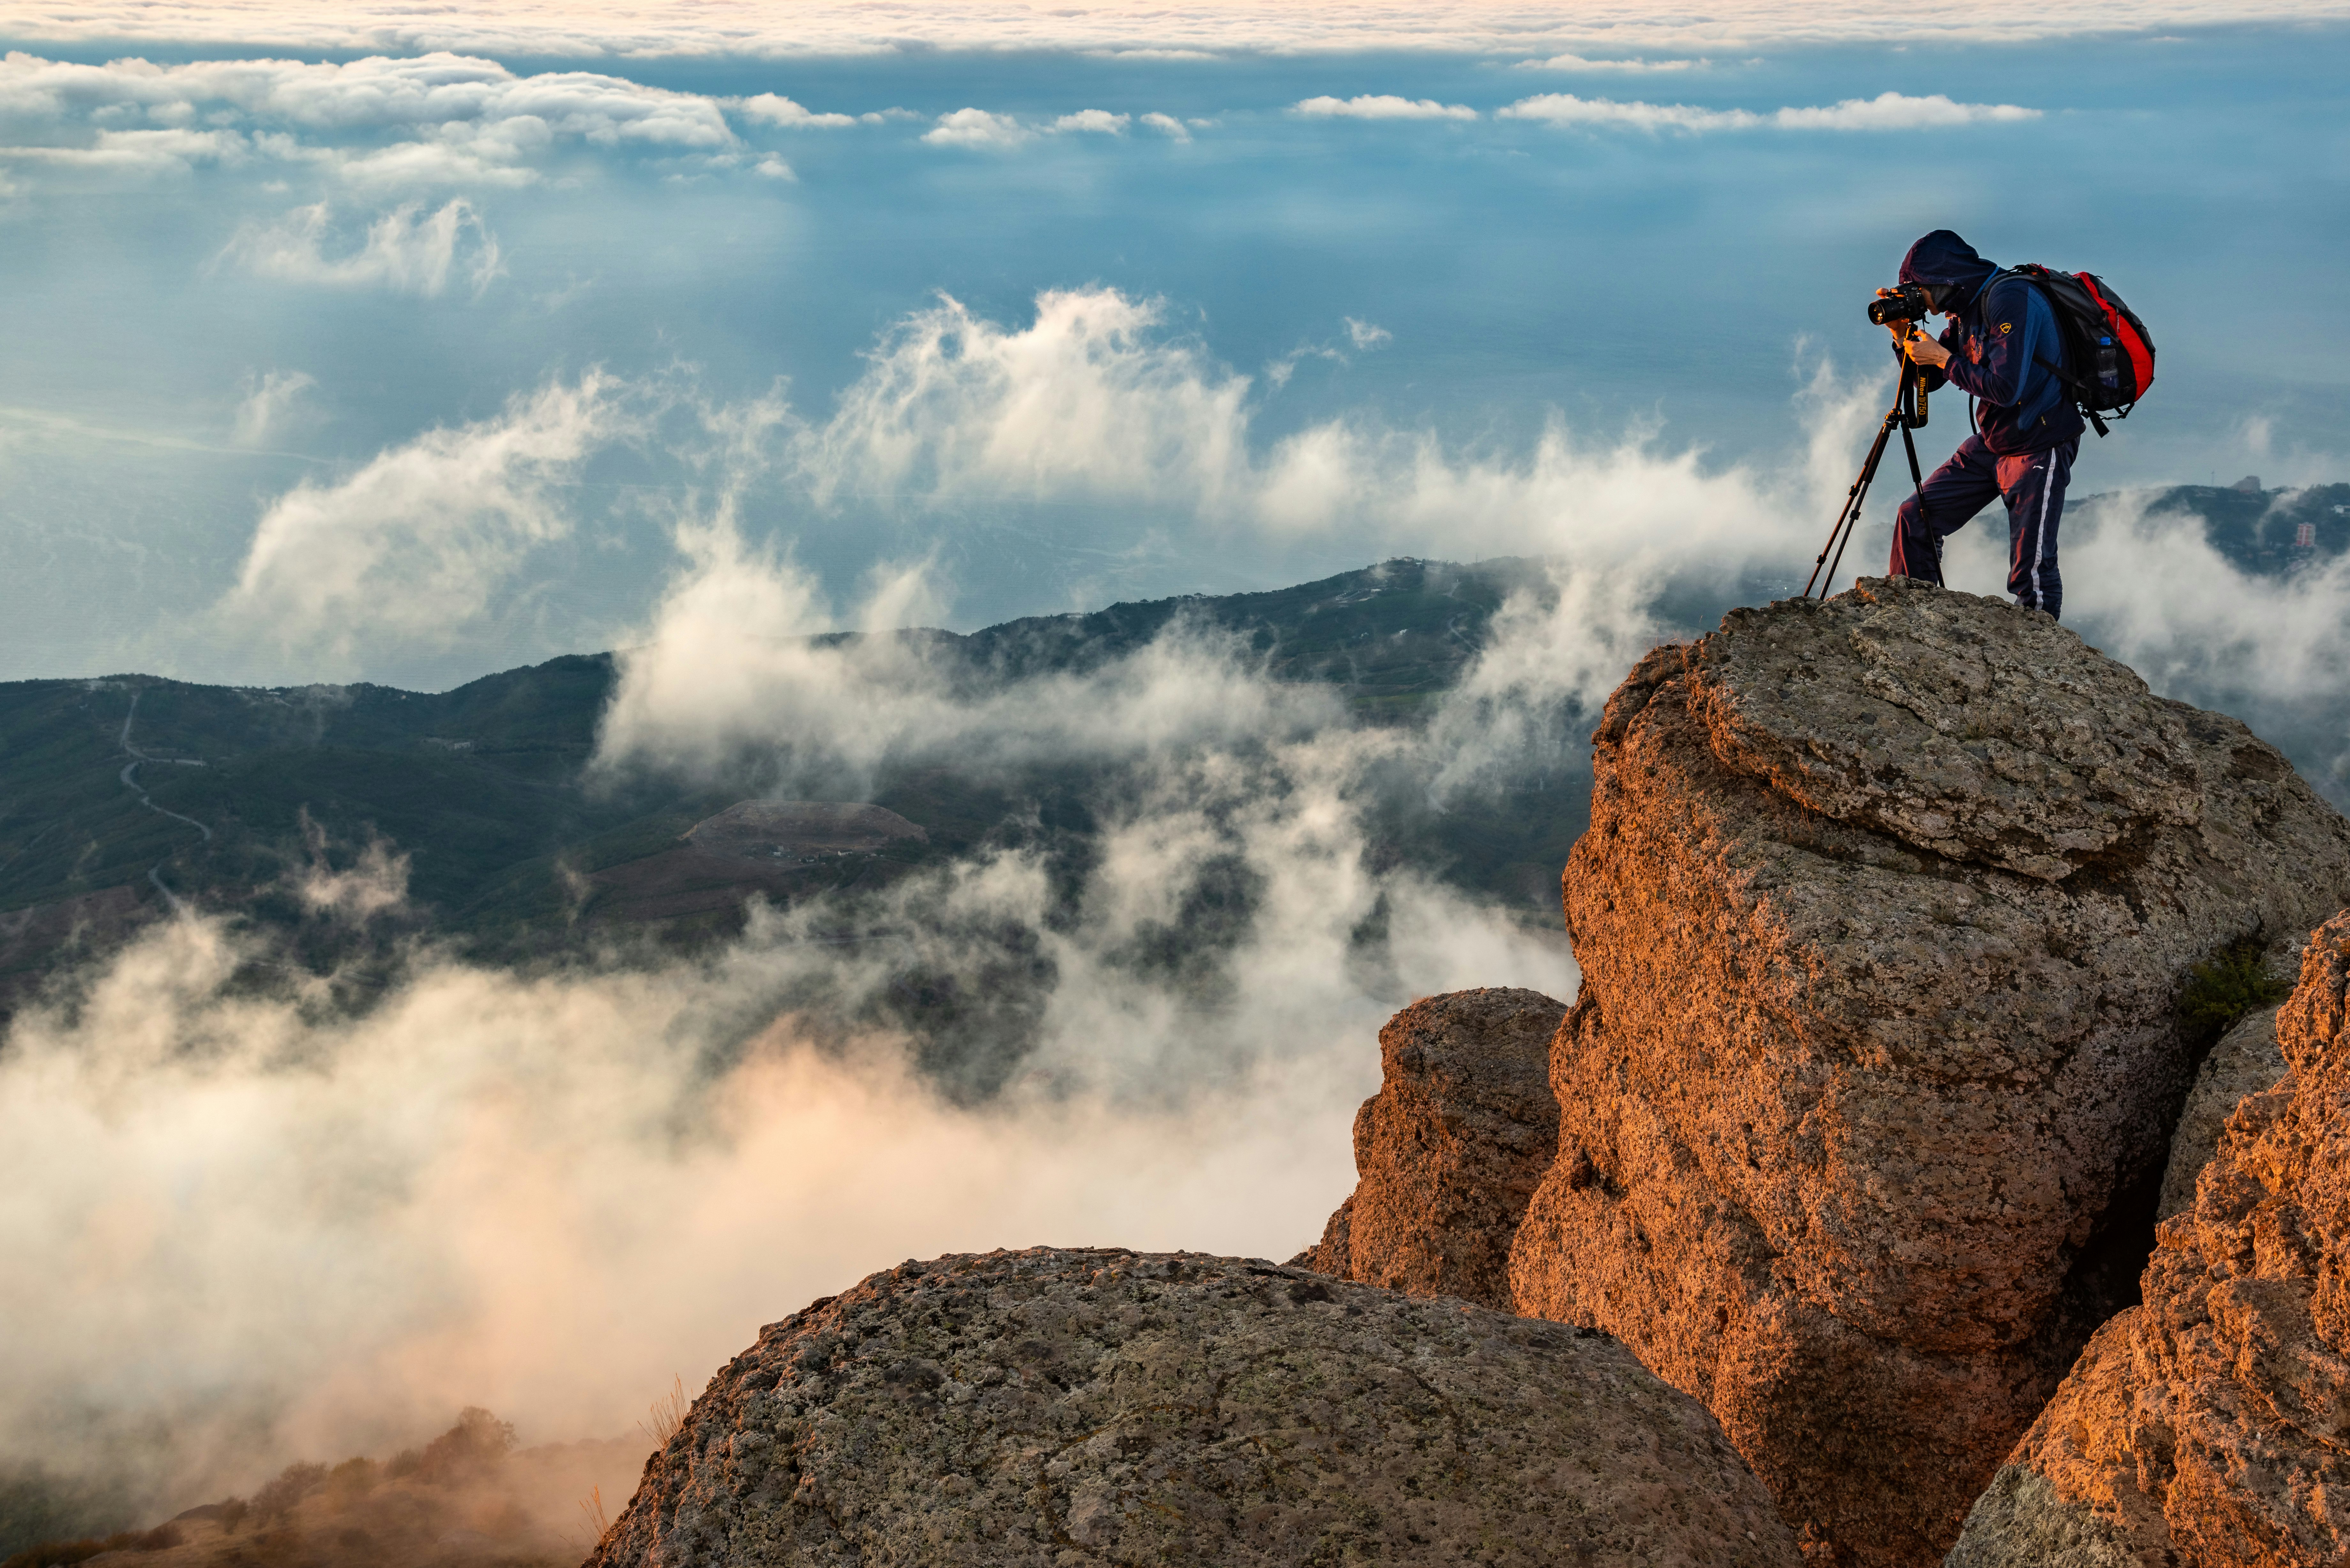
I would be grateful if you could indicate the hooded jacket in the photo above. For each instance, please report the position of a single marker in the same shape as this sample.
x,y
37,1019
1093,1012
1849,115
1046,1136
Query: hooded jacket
x,y
2000,329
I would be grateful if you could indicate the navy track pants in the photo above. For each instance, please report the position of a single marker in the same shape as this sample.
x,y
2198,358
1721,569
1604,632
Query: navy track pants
x,y
2033,485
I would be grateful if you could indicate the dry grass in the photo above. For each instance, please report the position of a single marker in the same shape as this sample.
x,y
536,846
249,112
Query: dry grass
x,y
591,1509
668,1415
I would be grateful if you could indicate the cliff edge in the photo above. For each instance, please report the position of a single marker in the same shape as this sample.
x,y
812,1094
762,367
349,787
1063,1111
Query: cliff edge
x,y
1884,915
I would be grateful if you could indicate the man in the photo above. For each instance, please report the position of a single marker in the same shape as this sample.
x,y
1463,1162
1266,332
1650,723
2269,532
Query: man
x,y
2001,339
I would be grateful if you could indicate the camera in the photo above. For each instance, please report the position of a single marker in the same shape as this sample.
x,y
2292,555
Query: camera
x,y
1909,302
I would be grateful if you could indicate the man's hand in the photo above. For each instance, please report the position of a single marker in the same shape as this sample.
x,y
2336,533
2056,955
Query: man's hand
x,y
1924,351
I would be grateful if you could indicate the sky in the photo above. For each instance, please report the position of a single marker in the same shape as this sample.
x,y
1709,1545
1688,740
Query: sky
x,y
349,343
344,345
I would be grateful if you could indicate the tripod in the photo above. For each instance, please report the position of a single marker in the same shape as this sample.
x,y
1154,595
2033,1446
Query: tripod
x,y
1908,411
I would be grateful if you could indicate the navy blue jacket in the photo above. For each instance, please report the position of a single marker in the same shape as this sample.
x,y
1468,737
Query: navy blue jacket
x,y
2001,327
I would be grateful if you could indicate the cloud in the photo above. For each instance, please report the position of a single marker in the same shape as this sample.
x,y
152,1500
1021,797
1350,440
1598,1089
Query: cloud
x,y
977,127
1579,63
436,118
771,109
1098,120
171,151
1089,400
418,542
1894,111
405,251
270,406
1381,106
1886,112
1168,125
1364,334
546,1191
833,28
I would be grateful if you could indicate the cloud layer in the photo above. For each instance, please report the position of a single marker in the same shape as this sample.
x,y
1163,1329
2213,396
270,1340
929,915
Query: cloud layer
x,y
581,28
1886,112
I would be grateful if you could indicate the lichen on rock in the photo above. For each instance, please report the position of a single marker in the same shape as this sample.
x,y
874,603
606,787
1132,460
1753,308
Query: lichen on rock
x,y
1883,916
2207,1424
1450,1150
1055,1407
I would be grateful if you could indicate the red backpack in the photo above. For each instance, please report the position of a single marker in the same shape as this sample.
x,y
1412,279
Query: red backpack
x,y
2103,338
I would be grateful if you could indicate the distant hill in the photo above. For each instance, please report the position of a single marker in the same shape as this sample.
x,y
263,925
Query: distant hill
x,y
119,794
2258,530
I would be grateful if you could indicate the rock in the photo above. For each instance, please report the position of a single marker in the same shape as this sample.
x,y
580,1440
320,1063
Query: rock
x,y
1056,1406
2207,1426
2246,1061
1883,916
1450,1148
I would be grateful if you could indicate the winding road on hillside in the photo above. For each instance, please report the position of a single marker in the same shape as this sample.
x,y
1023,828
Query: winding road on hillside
x,y
154,872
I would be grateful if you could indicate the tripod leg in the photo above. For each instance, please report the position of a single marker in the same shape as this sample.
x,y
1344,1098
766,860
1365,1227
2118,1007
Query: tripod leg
x,y
1917,480
1852,500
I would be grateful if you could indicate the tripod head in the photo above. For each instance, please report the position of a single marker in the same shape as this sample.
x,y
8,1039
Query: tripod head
x,y
1910,400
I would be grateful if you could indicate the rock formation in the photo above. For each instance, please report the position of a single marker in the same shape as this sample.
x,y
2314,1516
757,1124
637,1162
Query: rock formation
x,y
2248,1060
1055,1408
1450,1148
1883,916
2208,1425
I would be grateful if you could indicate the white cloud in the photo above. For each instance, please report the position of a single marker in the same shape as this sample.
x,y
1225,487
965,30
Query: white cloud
x,y
1886,112
1100,121
1579,63
270,406
772,167
450,119
1365,335
174,151
1144,28
1381,106
772,108
1565,109
1089,399
406,250
1168,125
1894,111
977,127
418,543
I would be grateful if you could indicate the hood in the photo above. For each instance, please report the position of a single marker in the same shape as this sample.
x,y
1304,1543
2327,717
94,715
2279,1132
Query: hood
x,y
1949,266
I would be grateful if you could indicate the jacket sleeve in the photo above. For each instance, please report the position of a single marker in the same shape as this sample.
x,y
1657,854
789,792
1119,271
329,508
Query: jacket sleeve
x,y
2004,375
1928,375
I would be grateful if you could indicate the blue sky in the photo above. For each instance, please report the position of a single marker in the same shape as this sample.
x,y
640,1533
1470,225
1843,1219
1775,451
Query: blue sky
x,y
266,287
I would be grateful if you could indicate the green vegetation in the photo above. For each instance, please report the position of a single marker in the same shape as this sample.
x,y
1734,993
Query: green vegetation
x,y
2228,987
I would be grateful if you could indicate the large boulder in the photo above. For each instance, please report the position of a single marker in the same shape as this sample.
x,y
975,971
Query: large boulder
x,y
2208,1425
1055,1407
1883,916
1450,1150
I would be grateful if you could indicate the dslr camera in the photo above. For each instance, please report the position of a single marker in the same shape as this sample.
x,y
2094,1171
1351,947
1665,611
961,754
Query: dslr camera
x,y
1909,302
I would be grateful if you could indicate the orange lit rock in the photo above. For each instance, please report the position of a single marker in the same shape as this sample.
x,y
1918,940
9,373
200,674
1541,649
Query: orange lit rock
x,y
2208,1425
1450,1148
1882,915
